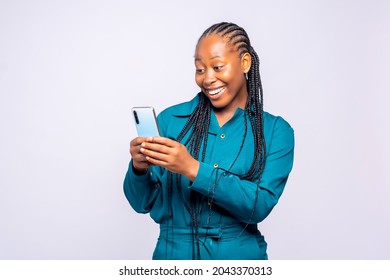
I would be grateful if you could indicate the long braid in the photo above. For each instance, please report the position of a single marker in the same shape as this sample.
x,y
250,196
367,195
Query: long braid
x,y
199,121
198,124
237,37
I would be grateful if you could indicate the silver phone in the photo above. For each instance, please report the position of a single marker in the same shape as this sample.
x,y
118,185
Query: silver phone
x,y
145,121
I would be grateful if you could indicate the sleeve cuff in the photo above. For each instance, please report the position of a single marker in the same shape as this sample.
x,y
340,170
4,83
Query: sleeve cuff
x,y
135,171
202,179
136,175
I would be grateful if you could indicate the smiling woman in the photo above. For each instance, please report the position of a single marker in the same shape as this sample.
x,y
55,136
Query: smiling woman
x,y
222,162
220,73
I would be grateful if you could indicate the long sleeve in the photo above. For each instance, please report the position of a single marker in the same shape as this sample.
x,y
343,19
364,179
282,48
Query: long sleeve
x,y
141,190
151,192
238,196
211,225
145,191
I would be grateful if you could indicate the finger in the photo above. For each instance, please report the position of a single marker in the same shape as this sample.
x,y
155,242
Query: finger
x,y
140,161
140,158
162,140
154,154
156,147
154,161
138,141
135,151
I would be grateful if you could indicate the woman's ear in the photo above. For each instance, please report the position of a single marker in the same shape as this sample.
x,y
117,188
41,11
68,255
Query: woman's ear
x,y
246,62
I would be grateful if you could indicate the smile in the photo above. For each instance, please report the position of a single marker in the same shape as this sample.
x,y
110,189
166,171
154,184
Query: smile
x,y
216,91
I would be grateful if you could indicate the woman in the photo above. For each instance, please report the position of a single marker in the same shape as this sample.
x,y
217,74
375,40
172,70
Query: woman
x,y
221,163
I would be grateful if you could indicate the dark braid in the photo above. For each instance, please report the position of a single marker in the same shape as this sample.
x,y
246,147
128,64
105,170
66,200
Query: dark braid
x,y
237,37
199,121
198,125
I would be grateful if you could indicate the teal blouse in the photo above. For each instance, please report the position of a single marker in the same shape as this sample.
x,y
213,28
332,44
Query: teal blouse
x,y
227,224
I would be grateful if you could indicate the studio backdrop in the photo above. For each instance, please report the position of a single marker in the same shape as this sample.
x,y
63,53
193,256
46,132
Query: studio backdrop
x,y
70,71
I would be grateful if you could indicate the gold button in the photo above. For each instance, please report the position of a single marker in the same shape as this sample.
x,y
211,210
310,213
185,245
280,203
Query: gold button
x,y
222,136
215,165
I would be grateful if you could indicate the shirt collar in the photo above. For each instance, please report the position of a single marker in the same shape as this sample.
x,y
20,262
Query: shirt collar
x,y
186,109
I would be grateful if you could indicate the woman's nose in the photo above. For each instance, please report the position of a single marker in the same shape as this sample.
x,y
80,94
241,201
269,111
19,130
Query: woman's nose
x,y
209,78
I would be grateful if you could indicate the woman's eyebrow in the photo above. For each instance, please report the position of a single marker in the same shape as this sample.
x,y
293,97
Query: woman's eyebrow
x,y
198,58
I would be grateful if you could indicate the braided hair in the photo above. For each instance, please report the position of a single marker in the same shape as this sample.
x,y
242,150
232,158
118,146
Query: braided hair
x,y
197,126
199,120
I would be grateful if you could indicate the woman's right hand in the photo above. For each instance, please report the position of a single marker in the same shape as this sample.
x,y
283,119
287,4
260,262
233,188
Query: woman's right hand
x,y
140,163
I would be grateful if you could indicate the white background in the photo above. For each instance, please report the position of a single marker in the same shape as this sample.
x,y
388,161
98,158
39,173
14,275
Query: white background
x,y
71,70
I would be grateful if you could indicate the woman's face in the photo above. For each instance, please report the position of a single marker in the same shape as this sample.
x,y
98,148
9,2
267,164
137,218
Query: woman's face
x,y
220,73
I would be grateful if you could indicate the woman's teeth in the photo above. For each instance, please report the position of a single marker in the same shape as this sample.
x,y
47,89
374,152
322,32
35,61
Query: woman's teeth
x,y
216,91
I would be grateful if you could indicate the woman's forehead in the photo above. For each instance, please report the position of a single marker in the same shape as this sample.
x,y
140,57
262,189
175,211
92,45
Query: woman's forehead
x,y
212,46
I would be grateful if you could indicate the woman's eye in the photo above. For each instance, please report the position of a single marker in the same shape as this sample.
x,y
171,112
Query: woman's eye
x,y
218,68
199,71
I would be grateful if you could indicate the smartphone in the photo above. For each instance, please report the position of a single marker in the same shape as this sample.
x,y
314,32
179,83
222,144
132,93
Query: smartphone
x,y
145,121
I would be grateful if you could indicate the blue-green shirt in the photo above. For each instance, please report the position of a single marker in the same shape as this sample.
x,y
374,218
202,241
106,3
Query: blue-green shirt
x,y
233,198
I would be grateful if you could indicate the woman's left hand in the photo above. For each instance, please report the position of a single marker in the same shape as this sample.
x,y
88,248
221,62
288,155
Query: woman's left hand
x,y
170,154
